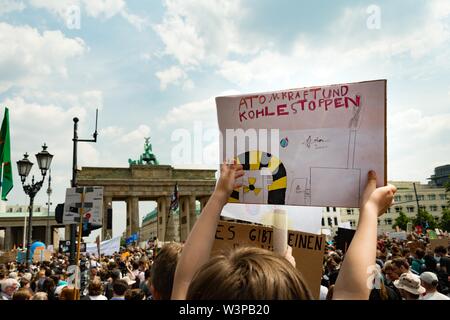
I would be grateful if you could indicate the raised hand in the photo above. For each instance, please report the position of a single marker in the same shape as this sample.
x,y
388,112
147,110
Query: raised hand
x,y
229,173
378,199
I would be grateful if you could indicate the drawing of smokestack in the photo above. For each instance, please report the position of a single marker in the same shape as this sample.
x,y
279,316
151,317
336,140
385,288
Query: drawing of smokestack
x,y
353,126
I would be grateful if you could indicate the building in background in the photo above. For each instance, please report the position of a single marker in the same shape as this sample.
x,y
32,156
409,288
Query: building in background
x,y
149,228
441,176
331,219
431,198
14,217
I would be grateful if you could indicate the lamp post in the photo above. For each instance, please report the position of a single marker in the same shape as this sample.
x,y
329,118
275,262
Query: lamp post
x,y
44,159
49,193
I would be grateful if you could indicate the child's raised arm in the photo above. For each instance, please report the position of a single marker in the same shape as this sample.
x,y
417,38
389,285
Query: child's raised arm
x,y
352,282
197,249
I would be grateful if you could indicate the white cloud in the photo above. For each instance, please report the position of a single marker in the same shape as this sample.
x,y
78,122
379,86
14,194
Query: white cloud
x,y
136,135
136,21
90,100
102,9
28,56
349,55
172,75
202,32
185,115
7,6
416,144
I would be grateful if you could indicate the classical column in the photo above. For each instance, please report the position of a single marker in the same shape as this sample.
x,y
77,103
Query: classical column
x,y
184,217
48,234
8,239
67,232
192,213
163,210
107,204
134,214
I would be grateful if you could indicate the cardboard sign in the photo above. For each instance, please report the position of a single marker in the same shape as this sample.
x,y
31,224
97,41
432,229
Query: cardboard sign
x,y
439,242
307,249
9,256
306,147
41,255
413,245
409,226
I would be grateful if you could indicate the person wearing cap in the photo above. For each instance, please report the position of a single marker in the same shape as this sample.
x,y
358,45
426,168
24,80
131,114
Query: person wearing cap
x,y
409,286
430,282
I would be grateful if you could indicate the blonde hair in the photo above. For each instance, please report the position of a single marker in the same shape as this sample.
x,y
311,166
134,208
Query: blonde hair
x,y
248,273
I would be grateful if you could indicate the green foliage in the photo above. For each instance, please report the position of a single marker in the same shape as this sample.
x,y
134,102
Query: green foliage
x,y
444,223
424,218
401,221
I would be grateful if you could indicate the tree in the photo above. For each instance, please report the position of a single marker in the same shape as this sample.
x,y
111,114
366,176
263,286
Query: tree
x,y
401,221
444,224
425,219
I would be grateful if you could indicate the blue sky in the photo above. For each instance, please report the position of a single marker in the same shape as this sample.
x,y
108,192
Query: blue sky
x,y
153,67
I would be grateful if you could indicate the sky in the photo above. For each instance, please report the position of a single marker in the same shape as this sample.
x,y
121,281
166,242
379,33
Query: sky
x,y
153,69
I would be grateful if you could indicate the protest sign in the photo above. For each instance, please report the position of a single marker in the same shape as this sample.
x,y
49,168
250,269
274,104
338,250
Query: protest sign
x,y
9,256
308,147
64,246
439,242
397,235
41,255
107,247
307,249
409,226
343,238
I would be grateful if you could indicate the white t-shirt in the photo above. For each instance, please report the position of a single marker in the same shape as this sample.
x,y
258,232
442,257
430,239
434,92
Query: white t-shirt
x,y
434,296
323,292
99,297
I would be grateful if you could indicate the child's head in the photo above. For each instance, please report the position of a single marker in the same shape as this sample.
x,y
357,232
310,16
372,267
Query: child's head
x,y
248,274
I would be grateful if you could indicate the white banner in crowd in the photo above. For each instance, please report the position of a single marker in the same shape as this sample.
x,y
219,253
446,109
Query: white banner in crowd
x,y
304,219
107,247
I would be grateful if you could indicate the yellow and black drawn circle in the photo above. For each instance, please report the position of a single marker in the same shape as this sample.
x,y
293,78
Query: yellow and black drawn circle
x,y
257,160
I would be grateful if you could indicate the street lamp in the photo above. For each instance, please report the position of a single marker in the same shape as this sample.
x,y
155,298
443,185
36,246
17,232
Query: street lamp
x,y
44,159
49,193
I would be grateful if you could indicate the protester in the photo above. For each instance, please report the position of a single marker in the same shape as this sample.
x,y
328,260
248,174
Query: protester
x,y
163,271
119,289
430,282
39,296
134,294
418,261
9,287
409,286
22,294
95,290
272,276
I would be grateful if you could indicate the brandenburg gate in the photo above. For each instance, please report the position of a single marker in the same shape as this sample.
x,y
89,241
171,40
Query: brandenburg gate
x,y
146,180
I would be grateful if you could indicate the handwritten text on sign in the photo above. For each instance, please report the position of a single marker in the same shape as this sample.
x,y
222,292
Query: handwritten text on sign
x,y
258,106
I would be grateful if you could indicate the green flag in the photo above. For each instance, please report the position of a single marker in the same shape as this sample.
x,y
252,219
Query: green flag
x,y
6,182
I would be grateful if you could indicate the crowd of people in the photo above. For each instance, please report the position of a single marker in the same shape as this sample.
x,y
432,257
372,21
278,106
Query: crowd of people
x,y
131,274
405,269
372,267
